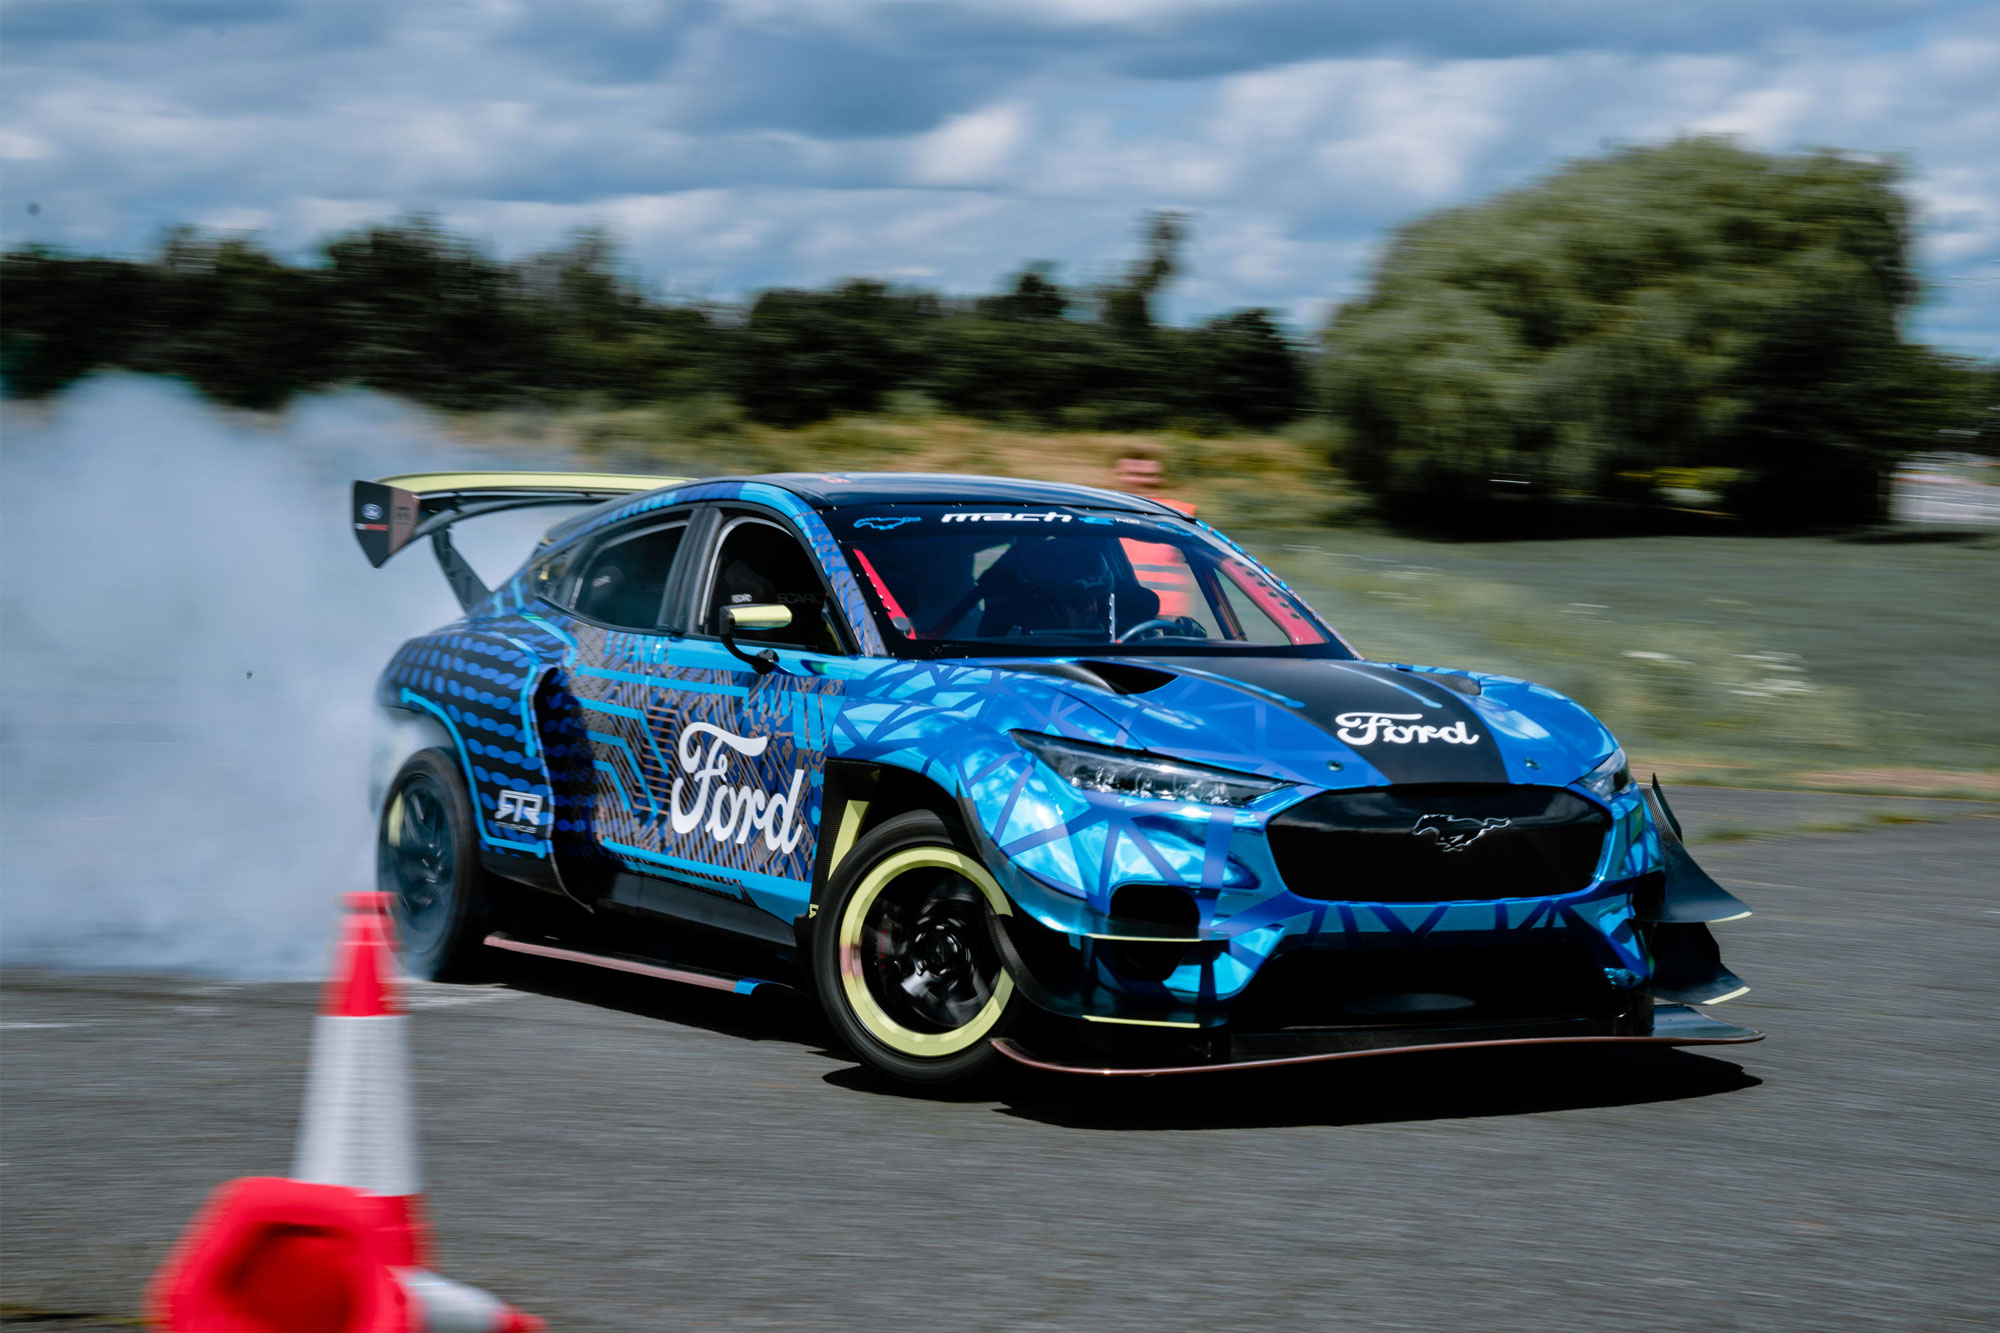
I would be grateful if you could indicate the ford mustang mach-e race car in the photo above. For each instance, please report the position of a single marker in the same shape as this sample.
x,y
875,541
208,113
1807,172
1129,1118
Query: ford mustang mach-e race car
x,y
1006,770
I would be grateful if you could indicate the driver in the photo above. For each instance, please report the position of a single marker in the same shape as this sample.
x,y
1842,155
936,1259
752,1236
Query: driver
x,y
1057,584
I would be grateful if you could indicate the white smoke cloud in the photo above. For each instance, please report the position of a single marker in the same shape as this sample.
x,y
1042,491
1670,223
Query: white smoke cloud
x,y
189,639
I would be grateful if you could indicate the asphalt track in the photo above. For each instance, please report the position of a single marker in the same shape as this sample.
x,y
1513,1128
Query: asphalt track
x,y
629,1155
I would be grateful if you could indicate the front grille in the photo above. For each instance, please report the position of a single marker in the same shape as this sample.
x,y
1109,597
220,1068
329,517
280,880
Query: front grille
x,y
1438,844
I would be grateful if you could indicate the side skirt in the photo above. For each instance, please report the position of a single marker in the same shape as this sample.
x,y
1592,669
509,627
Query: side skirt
x,y
686,976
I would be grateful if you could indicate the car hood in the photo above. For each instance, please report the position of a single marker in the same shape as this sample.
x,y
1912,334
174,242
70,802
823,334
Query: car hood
x,y
1330,723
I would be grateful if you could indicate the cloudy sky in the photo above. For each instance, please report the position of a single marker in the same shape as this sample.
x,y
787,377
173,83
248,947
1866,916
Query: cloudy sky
x,y
761,142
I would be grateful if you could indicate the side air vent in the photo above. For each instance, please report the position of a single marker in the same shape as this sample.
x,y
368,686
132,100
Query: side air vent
x,y
1129,677
1157,909
1111,677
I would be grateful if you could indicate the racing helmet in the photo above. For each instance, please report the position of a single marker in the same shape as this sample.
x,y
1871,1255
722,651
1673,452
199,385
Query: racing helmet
x,y
1047,583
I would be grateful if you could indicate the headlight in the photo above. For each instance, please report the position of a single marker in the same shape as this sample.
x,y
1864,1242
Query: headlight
x,y
1134,773
1610,777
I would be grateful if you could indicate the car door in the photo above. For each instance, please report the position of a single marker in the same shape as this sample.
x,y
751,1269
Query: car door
x,y
703,776
597,715
750,756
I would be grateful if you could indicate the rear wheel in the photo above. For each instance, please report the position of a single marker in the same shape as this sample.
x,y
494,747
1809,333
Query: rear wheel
x,y
427,861
904,959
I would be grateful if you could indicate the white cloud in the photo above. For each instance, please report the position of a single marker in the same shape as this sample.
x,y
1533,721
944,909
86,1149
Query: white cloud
x,y
18,147
1768,117
1295,169
972,149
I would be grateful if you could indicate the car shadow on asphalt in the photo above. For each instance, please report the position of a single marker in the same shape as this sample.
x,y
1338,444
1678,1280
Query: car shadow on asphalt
x,y
1442,1085
1445,1085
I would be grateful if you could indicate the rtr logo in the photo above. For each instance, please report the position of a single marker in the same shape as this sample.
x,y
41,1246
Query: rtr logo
x,y
1453,833
520,810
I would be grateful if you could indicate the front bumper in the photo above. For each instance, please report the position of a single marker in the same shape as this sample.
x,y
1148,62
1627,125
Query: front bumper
x,y
1592,960
1080,947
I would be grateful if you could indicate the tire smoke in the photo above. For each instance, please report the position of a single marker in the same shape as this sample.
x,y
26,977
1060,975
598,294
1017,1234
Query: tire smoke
x,y
189,640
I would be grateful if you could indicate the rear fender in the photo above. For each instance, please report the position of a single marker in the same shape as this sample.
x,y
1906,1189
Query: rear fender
x,y
476,689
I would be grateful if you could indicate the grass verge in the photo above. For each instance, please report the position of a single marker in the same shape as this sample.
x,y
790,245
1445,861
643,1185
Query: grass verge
x,y
1837,665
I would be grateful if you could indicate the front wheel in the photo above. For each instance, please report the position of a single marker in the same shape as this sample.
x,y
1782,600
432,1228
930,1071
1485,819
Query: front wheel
x,y
427,861
904,957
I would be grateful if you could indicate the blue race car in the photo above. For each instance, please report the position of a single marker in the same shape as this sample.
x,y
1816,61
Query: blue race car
x,y
1006,770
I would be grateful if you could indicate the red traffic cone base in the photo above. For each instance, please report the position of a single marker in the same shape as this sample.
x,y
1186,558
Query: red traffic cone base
x,y
269,1255
341,1248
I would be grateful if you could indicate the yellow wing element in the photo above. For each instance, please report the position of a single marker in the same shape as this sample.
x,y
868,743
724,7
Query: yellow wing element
x,y
391,513
427,484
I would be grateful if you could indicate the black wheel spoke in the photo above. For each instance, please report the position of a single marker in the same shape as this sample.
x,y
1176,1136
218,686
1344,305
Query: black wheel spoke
x,y
927,953
420,863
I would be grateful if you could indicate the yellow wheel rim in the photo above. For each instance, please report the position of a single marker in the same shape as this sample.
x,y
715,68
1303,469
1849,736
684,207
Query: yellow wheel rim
x,y
861,1001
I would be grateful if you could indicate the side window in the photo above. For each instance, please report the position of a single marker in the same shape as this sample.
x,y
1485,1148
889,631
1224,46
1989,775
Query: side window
x,y
624,582
759,563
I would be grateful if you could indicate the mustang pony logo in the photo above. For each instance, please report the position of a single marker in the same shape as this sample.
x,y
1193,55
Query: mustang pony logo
x,y
887,523
1453,833
732,813
1367,728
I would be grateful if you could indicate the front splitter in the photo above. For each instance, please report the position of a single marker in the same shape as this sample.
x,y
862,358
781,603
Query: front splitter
x,y
1673,1025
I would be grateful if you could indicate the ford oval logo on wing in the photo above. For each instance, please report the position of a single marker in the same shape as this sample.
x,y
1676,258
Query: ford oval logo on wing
x,y
371,512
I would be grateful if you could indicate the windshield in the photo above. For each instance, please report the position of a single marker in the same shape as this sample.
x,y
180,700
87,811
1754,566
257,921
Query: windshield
x,y
950,580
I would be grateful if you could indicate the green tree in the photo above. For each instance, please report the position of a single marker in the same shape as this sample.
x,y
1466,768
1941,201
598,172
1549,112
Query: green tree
x,y
418,312
1128,304
806,355
65,316
241,326
1243,371
1034,295
1690,305
606,336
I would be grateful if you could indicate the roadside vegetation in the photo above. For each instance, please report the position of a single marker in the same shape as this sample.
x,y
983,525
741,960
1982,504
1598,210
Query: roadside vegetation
x,y
1860,662
1687,326
1662,357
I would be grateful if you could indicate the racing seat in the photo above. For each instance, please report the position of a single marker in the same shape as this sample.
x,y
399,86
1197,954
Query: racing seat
x,y
761,565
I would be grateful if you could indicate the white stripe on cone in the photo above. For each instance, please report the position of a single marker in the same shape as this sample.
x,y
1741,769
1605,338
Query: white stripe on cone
x,y
357,1126
452,1307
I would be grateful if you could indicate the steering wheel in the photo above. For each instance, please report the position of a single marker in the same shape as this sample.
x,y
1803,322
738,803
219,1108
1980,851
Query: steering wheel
x,y
1185,627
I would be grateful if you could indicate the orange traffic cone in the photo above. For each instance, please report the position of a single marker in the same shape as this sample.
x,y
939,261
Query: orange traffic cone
x,y
339,1248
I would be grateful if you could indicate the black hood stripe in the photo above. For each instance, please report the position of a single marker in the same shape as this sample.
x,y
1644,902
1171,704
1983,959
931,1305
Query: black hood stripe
x,y
1323,691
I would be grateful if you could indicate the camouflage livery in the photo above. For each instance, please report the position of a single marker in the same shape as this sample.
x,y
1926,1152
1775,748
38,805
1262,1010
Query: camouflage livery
x,y
606,764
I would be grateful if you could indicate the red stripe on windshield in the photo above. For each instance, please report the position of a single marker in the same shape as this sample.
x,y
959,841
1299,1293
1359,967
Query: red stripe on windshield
x,y
896,616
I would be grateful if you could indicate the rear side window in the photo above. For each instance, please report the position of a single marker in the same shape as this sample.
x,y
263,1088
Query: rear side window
x,y
624,582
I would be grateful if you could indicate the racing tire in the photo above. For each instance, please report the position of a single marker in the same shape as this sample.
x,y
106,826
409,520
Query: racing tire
x,y
427,861
903,955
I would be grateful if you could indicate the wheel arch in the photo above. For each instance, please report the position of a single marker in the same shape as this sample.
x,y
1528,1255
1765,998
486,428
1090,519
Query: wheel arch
x,y
469,690
859,795
399,732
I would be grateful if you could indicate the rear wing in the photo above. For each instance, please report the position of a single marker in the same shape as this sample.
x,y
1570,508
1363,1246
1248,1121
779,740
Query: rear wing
x,y
391,513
